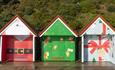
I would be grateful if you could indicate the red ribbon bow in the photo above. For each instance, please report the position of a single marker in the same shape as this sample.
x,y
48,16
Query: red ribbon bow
x,y
94,45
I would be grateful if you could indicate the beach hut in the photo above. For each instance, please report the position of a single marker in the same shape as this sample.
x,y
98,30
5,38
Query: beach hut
x,y
58,41
17,40
97,40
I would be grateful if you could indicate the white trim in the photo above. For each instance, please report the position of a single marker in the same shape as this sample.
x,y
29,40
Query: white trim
x,y
94,22
63,24
82,49
33,48
1,48
12,23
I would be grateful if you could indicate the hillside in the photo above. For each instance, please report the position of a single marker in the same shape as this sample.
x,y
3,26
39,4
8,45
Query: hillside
x,y
38,13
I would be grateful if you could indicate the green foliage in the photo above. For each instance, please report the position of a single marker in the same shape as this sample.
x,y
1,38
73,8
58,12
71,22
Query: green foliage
x,y
28,10
110,18
38,13
111,8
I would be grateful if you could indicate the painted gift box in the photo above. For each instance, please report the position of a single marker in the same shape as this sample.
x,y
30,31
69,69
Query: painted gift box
x,y
97,40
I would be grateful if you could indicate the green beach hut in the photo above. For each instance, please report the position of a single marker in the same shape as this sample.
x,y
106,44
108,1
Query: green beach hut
x,y
58,41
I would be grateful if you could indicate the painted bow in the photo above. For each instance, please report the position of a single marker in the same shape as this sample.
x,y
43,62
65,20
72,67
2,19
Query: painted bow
x,y
94,45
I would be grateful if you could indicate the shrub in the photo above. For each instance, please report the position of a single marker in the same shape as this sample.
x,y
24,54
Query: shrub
x,y
111,8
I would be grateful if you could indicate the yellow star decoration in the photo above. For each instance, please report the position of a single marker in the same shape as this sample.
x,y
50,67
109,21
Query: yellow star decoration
x,y
68,52
54,47
46,54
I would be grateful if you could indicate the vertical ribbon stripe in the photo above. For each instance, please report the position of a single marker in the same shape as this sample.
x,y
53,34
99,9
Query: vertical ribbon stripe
x,y
104,29
99,46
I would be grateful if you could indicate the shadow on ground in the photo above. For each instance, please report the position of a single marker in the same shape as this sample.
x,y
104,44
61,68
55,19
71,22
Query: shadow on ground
x,y
57,66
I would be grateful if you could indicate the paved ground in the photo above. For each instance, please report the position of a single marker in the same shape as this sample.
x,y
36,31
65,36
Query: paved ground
x,y
57,66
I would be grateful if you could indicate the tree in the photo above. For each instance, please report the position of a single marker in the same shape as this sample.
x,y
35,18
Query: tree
x,y
38,13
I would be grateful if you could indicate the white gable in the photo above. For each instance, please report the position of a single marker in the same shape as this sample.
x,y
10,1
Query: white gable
x,y
16,27
97,28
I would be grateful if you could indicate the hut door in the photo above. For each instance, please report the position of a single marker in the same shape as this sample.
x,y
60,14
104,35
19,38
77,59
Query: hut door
x,y
19,50
97,48
59,49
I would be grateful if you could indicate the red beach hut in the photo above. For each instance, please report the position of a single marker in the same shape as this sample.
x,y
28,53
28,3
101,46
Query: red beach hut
x,y
17,41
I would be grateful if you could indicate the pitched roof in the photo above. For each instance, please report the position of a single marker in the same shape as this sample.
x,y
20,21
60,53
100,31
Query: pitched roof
x,y
7,24
52,22
91,22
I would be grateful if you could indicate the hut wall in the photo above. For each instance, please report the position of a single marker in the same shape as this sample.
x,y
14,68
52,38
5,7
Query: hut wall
x,y
112,54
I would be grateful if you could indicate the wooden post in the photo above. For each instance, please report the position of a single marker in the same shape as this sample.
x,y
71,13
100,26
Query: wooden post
x,y
82,52
0,48
33,48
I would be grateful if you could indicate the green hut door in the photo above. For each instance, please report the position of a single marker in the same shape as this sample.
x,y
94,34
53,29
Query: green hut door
x,y
58,49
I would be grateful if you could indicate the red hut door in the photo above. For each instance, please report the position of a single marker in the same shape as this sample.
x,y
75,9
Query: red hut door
x,y
19,50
